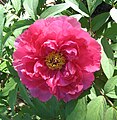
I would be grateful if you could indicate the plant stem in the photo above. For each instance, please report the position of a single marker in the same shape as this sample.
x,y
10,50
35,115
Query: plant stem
x,y
107,99
90,27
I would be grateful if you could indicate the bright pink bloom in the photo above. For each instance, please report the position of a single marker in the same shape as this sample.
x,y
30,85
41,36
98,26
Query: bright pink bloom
x,y
56,57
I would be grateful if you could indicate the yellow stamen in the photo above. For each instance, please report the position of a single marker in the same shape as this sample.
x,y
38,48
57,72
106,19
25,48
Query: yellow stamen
x,y
55,60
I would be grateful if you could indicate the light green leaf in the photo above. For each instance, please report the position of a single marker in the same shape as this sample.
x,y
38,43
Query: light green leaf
x,y
107,65
114,46
16,5
110,87
76,110
3,67
31,7
78,6
111,114
8,87
96,109
103,17
110,1
1,27
92,94
53,10
92,4
77,16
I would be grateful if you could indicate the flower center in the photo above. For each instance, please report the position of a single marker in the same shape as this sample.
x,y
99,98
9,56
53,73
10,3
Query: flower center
x,y
55,60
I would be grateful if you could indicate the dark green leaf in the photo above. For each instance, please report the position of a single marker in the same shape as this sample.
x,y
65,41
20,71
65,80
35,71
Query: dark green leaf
x,y
3,108
111,32
84,23
24,94
48,110
3,117
12,98
26,117
110,87
96,109
92,4
54,10
21,23
107,48
99,20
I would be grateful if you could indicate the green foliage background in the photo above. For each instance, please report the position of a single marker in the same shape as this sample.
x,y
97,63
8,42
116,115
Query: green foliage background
x,y
99,102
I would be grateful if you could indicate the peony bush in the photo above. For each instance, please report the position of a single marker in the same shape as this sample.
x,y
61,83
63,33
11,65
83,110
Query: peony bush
x,y
58,60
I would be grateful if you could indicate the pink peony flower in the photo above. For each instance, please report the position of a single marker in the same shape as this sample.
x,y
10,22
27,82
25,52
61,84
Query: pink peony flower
x,y
54,56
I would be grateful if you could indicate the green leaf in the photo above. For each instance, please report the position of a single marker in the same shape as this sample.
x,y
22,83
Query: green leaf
x,y
9,86
26,116
3,67
21,23
78,6
16,5
107,48
3,117
107,65
17,117
92,94
96,109
92,4
101,30
111,114
12,98
84,23
48,110
76,109
53,10
103,17
114,47
40,6
110,1
110,87
15,26
31,7
1,27
111,32
3,109
77,16
24,94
